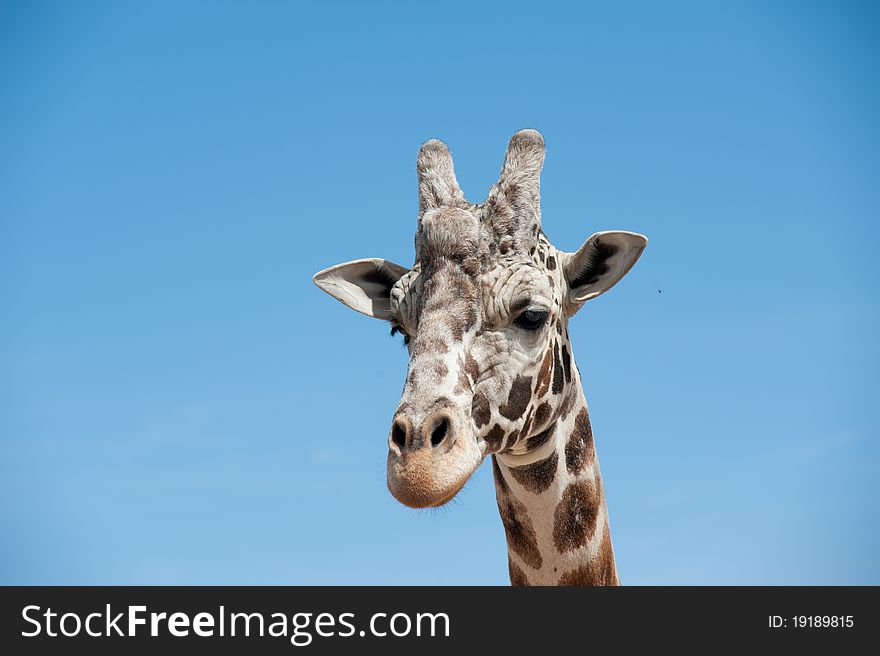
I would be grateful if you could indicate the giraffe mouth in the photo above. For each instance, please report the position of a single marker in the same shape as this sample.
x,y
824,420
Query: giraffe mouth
x,y
429,479
449,498
422,498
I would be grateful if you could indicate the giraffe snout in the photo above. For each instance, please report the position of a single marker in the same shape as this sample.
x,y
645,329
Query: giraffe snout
x,y
429,456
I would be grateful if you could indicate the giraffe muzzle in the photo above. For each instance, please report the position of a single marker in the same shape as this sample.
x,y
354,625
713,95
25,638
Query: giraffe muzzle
x,y
430,459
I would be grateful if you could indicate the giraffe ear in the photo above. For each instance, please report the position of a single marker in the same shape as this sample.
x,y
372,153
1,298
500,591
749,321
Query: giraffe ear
x,y
599,264
362,285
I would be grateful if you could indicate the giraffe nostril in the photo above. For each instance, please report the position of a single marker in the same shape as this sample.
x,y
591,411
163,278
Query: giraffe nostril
x,y
439,432
398,434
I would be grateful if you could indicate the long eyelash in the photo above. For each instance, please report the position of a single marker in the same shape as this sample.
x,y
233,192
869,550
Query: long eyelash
x,y
397,329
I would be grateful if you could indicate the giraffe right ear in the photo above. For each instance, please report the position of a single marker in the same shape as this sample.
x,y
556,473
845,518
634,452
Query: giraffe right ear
x,y
362,285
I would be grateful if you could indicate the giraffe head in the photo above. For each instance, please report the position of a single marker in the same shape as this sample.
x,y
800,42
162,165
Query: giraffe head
x,y
484,313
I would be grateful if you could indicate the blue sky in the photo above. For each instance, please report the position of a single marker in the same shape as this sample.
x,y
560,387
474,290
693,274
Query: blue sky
x,y
179,404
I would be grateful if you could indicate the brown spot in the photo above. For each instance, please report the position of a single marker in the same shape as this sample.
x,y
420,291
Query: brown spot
x,y
542,414
517,576
511,191
518,399
441,370
429,345
538,476
442,402
500,483
582,576
557,370
464,383
580,443
567,405
455,323
537,440
471,367
493,438
502,220
518,529
412,379
601,570
574,521
544,374
505,245
559,326
551,263
552,282
480,409
471,316
607,566
566,363
511,439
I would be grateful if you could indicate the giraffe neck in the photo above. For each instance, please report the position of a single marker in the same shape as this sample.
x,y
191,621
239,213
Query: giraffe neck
x,y
552,503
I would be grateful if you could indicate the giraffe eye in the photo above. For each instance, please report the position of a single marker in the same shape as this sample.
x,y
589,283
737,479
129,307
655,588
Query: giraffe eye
x,y
532,319
397,329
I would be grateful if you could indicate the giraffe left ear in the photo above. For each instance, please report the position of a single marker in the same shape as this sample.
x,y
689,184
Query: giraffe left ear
x,y
599,264
362,285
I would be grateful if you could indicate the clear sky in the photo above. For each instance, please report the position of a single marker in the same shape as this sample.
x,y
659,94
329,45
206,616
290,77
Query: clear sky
x,y
179,404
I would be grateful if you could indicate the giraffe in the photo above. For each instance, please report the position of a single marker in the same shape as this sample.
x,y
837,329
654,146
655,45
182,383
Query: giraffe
x,y
484,314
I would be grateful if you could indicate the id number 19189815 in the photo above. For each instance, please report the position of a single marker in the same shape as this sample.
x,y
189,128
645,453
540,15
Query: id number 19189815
x,y
811,622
